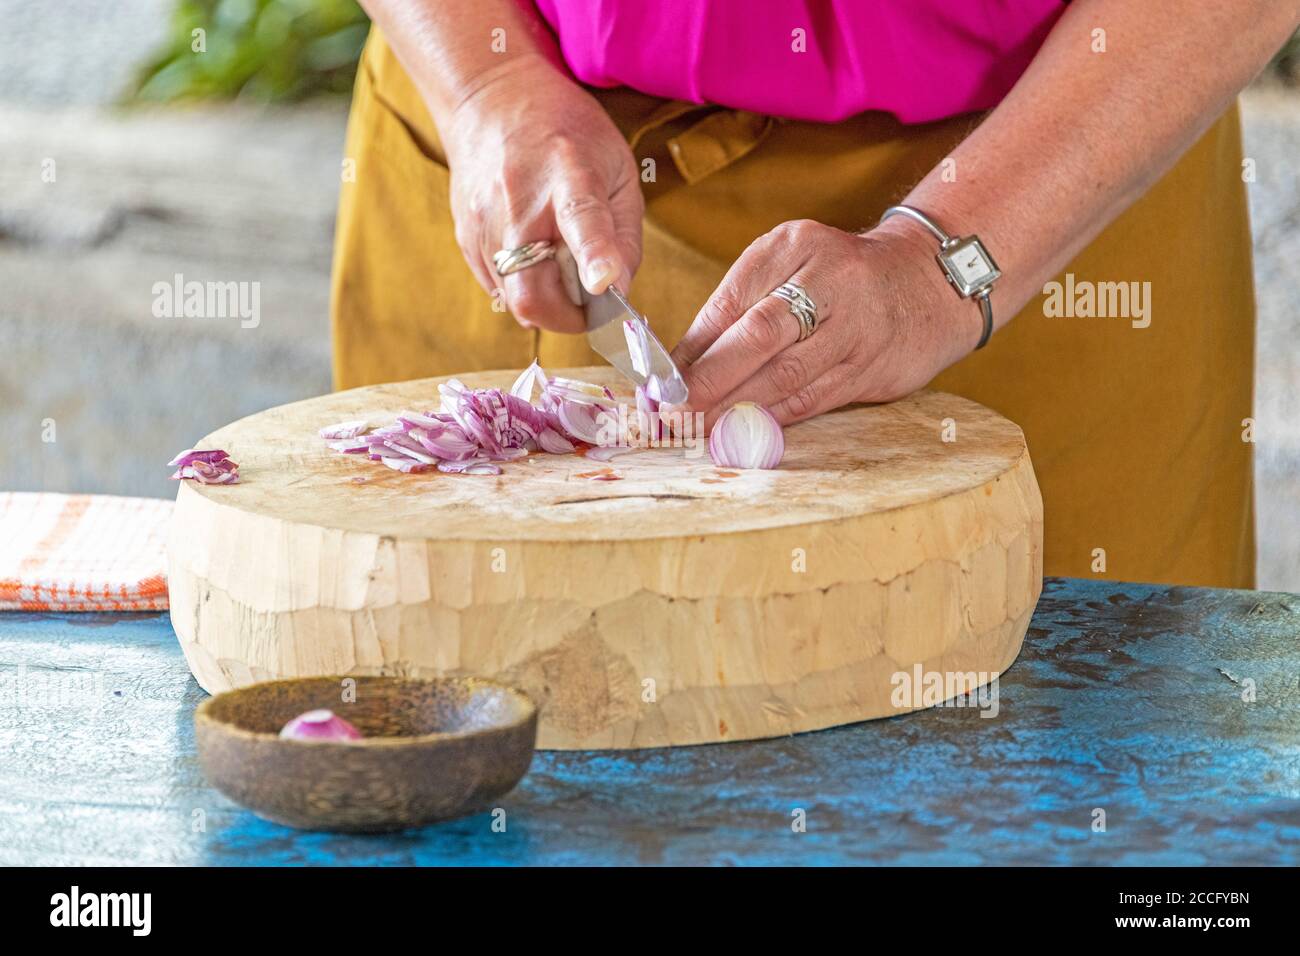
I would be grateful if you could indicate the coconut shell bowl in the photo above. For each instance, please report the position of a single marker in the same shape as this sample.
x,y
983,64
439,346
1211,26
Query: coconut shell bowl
x,y
431,749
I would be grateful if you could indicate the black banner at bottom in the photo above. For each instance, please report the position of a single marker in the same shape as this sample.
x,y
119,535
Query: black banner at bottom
x,y
307,905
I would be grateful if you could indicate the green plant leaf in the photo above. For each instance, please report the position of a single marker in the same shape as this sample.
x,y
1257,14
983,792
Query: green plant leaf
x,y
269,50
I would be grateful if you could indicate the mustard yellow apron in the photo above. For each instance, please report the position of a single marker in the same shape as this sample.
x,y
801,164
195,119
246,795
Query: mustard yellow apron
x,y
1136,433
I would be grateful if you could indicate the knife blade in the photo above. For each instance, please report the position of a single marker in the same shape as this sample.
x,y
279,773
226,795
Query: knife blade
x,y
622,336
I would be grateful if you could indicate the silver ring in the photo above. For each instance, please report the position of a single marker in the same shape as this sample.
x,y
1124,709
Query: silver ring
x,y
801,307
529,254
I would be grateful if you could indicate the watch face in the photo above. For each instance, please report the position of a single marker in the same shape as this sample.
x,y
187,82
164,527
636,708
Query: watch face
x,y
969,265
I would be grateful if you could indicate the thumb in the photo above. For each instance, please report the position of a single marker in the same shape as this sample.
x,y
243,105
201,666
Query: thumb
x,y
586,223
569,274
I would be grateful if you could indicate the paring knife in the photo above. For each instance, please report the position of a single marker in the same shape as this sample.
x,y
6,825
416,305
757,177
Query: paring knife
x,y
621,334
623,337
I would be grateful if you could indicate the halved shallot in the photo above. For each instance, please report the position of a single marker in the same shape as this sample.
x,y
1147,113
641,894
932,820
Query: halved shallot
x,y
746,435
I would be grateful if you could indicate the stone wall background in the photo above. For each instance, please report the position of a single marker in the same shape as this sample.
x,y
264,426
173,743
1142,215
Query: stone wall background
x,y
242,192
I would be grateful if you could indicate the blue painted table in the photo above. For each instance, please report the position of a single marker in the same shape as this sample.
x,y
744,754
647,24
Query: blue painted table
x,y
1176,711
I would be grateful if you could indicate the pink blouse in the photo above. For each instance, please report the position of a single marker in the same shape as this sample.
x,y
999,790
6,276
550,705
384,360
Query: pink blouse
x,y
820,60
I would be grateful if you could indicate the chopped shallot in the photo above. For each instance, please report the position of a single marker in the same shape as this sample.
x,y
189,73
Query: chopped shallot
x,y
345,429
605,454
475,428
191,455
475,466
211,467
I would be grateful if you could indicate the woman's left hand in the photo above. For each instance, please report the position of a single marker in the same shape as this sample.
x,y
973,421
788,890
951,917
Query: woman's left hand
x,y
887,323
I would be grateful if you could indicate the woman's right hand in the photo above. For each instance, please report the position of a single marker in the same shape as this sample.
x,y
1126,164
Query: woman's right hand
x,y
533,156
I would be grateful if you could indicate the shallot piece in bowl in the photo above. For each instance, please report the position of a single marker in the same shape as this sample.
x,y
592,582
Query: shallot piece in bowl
x,y
320,725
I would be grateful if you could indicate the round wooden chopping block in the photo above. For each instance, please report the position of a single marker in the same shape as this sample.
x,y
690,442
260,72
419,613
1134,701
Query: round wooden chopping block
x,y
680,604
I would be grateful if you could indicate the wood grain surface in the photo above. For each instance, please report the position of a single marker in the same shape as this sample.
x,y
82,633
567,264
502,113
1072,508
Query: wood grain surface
x,y
1128,698
676,605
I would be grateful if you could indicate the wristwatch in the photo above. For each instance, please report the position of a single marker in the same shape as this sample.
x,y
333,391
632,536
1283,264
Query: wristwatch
x,y
966,264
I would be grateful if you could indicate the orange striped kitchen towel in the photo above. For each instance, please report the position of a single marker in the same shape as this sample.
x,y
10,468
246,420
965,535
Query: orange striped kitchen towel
x,y
82,552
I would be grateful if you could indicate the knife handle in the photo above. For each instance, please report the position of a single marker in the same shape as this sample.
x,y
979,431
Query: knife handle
x,y
569,275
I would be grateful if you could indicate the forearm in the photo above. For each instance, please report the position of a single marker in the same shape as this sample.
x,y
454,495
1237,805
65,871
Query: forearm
x,y
452,48
1084,134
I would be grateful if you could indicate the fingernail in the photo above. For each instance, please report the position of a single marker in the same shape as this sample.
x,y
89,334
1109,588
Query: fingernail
x,y
600,273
